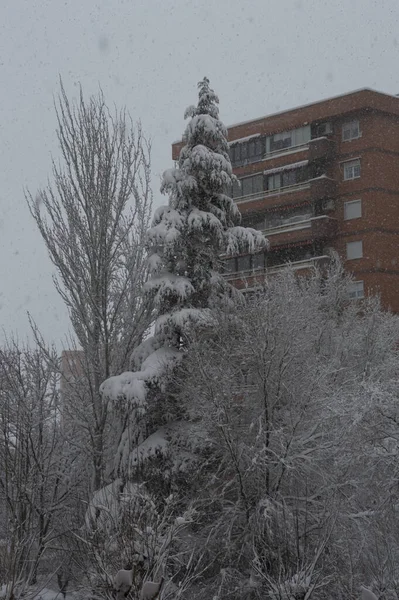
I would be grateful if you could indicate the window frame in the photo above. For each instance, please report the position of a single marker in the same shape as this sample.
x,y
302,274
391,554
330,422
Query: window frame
x,y
352,245
353,294
353,202
300,136
247,152
275,177
353,164
348,126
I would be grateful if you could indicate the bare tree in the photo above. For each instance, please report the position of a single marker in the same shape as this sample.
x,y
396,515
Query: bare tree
x,y
93,219
297,391
35,467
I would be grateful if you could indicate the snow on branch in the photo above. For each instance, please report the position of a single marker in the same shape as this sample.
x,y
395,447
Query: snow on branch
x,y
205,127
185,318
208,160
245,239
199,220
169,285
129,386
132,386
154,445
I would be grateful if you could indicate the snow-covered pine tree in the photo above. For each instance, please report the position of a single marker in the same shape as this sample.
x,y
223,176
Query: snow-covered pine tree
x,y
186,240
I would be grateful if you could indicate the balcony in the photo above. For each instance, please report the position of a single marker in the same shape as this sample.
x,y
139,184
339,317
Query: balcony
x,y
299,265
305,192
316,228
254,277
277,197
321,148
322,187
324,227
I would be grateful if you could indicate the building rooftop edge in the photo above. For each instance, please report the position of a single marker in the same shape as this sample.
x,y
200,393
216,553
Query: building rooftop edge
x,y
307,105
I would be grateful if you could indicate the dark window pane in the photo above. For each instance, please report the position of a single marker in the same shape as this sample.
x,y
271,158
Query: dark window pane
x,y
237,153
302,174
251,149
258,261
244,151
237,191
244,263
289,178
257,185
258,147
246,186
281,141
230,265
228,190
274,182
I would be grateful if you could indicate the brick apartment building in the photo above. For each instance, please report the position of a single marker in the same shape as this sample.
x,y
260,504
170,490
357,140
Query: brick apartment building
x,y
320,177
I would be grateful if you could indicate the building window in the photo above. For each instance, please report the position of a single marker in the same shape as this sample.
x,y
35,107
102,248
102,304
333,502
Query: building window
x,y
251,185
244,263
352,210
352,169
247,152
350,131
323,129
229,265
258,261
237,190
288,139
354,250
246,186
356,290
274,182
287,178
280,141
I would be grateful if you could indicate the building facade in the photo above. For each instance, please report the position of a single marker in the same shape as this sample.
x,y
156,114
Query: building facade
x,y
318,178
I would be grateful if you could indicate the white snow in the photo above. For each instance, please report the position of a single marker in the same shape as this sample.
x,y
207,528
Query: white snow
x,y
154,262
206,124
130,386
297,165
320,177
185,317
143,351
104,509
123,581
207,159
245,238
152,446
292,150
296,108
244,139
198,219
150,590
367,594
169,284
156,363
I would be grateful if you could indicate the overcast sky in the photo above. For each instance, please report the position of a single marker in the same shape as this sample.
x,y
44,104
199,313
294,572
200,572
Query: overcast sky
x,y
261,56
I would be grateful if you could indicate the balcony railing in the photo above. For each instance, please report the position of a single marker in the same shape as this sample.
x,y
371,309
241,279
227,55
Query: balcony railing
x,y
287,227
297,265
322,187
320,227
277,192
321,148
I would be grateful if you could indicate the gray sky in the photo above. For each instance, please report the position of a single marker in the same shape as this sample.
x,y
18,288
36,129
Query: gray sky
x,y
261,56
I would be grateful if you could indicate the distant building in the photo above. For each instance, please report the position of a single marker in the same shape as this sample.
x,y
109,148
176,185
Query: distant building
x,y
72,371
319,177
